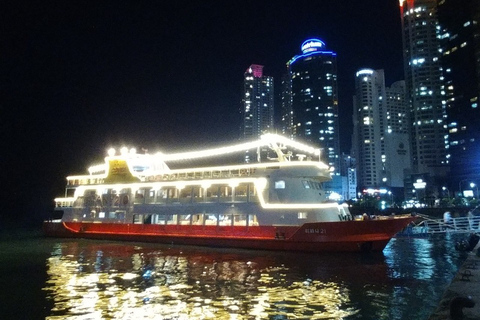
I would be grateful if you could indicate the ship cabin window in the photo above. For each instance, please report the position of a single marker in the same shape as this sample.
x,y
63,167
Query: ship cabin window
x,y
139,196
119,215
172,194
210,219
138,218
106,198
148,218
252,220
241,192
225,220
197,194
161,196
211,193
225,194
158,219
197,219
240,220
280,184
149,195
252,193
171,219
302,215
124,197
89,198
185,195
70,193
113,198
305,184
185,219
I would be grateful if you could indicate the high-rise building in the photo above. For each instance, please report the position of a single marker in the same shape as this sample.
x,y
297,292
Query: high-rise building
x,y
425,90
348,170
381,137
460,42
287,126
311,112
397,137
258,105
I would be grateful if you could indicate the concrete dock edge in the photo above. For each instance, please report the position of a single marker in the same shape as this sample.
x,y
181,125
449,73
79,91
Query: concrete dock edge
x,y
465,284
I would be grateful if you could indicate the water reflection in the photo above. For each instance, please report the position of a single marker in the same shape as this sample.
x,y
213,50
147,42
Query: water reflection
x,y
103,280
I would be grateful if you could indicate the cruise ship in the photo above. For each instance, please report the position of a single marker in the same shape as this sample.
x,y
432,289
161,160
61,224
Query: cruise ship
x,y
276,203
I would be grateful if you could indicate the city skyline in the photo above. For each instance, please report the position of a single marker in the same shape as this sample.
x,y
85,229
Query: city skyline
x,y
80,78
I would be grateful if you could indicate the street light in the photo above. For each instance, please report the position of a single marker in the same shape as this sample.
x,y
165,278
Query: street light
x,y
473,185
448,191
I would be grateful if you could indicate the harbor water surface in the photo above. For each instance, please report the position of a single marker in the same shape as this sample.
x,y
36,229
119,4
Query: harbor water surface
x,y
44,278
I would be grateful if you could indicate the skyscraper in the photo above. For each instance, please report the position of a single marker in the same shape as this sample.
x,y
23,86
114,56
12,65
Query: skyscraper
x,y
312,110
348,169
381,137
460,42
258,105
425,90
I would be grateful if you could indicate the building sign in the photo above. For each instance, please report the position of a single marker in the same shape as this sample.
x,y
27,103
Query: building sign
x,y
312,45
420,184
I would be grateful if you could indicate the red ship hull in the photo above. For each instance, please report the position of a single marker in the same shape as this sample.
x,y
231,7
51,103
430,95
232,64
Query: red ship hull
x,y
344,236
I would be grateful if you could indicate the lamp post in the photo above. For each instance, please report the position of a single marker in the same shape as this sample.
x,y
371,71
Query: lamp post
x,y
448,192
473,185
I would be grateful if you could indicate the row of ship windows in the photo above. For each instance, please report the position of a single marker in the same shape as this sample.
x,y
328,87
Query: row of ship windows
x,y
123,197
197,219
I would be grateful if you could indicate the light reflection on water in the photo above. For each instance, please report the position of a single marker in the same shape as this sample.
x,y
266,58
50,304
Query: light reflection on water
x,y
105,280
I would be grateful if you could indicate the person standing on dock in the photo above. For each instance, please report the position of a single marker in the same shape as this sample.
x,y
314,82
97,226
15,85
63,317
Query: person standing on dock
x,y
447,219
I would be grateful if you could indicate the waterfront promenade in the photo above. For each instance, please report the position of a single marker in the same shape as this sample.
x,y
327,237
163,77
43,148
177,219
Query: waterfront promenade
x,y
465,284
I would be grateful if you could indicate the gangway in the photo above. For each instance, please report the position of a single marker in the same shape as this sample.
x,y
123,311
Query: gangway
x,y
453,225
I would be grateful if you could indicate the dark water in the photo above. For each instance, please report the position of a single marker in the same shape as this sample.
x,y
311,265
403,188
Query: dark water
x,y
84,279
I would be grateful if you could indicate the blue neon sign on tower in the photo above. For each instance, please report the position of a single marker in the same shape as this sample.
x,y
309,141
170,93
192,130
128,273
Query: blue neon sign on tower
x,y
310,47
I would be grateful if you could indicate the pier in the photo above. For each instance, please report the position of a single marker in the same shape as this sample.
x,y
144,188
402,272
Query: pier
x,y
462,294
427,225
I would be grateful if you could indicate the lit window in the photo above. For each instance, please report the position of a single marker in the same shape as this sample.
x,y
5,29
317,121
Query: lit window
x,y
280,184
302,215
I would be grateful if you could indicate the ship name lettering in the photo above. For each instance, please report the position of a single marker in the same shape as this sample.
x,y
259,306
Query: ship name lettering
x,y
318,231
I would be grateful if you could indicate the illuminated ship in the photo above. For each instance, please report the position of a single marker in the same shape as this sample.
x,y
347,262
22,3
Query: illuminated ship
x,y
274,205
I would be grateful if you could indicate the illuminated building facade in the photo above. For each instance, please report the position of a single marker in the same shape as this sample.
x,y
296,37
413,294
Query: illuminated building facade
x,y
425,90
287,127
460,41
349,171
381,136
311,106
258,105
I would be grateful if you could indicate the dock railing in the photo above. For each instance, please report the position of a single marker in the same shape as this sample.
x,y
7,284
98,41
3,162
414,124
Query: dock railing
x,y
454,225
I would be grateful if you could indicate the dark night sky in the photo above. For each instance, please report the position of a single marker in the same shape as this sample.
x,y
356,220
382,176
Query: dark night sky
x,y
81,76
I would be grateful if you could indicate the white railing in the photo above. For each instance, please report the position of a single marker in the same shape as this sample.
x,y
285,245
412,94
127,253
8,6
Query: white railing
x,y
457,225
